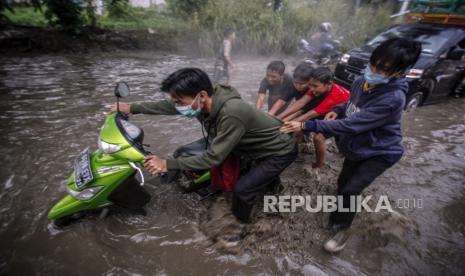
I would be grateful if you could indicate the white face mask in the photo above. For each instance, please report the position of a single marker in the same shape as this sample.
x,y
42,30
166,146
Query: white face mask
x,y
373,78
188,110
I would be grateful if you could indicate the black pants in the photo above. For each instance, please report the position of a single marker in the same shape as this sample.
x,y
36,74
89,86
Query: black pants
x,y
265,172
353,179
194,148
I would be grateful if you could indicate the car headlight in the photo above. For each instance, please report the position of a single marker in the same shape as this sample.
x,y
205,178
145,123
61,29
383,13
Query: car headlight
x,y
414,73
85,194
107,147
345,58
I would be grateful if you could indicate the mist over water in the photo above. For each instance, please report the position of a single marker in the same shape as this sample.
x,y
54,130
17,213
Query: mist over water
x,y
52,107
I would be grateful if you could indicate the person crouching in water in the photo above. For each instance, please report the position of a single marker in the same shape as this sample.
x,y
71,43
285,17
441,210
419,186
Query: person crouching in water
x,y
368,127
276,83
323,95
234,126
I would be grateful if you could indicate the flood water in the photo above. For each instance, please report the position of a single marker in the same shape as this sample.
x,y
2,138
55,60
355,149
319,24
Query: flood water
x,y
51,108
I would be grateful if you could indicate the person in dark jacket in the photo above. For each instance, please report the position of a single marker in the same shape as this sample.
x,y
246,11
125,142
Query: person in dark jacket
x,y
367,127
233,125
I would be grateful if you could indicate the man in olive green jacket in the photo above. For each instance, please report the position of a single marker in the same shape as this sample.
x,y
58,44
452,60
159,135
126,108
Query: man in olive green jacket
x,y
233,125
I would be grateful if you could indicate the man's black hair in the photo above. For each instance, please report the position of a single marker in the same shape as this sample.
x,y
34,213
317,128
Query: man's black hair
x,y
395,54
187,82
303,71
276,65
322,74
228,31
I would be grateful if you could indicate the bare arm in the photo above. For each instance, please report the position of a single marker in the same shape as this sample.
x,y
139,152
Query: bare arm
x,y
277,106
260,100
307,116
296,106
292,116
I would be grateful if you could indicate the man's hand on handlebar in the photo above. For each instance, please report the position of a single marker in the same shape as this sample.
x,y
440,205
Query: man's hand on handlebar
x,y
155,165
123,107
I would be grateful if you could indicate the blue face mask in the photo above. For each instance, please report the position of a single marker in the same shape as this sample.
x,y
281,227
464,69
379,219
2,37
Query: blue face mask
x,y
187,110
373,78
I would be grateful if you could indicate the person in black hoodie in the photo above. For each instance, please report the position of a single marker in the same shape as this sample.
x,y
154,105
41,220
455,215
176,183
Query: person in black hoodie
x,y
367,127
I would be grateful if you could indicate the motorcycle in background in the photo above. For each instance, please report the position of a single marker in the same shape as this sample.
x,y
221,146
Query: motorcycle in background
x,y
326,53
321,49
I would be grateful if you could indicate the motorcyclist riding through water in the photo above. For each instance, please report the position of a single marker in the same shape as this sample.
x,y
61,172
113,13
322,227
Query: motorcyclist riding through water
x,y
321,48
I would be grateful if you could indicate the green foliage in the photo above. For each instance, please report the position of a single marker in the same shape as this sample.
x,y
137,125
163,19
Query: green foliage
x,y
118,8
366,23
259,28
186,7
25,16
201,23
143,19
4,7
304,17
66,15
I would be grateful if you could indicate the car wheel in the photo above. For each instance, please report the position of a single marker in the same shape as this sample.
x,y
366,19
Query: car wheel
x,y
414,101
459,91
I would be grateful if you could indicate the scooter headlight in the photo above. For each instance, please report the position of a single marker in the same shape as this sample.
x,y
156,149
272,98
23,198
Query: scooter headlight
x,y
85,194
107,147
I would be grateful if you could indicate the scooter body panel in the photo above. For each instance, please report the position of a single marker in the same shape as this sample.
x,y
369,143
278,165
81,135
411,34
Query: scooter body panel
x,y
110,133
108,172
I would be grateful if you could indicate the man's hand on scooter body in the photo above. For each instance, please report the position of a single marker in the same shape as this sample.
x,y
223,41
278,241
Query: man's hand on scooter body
x,y
123,107
155,165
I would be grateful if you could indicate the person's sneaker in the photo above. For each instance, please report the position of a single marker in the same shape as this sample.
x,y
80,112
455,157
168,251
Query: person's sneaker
x,y
337,242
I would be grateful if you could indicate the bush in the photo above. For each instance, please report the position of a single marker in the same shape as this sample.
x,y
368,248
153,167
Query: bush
x,y
354,27
261,29
184,8
144,19
66,15
118,9
200,23
257,26
25,16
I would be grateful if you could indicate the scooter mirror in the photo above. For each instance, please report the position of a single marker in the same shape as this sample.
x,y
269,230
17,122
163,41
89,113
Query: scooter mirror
x,y
121,89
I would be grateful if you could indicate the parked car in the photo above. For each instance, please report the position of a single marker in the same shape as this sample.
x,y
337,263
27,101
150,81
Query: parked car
x,y
439,72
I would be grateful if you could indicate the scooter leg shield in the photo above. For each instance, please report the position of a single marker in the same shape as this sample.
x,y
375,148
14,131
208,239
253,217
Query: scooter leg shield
x,y
130,195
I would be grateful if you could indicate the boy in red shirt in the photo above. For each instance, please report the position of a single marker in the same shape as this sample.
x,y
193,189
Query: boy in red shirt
x,y
322,96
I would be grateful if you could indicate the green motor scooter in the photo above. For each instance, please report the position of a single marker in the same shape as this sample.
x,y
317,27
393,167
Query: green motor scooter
x,y
108,176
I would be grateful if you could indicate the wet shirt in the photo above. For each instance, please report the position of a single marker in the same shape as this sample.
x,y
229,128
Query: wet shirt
x,y
325,103
284,91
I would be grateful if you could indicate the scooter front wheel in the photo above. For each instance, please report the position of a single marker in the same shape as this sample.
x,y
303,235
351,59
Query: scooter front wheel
x,y
67,220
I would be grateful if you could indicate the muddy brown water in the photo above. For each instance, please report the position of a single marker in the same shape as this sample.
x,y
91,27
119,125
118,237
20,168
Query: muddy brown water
x,y
52,106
